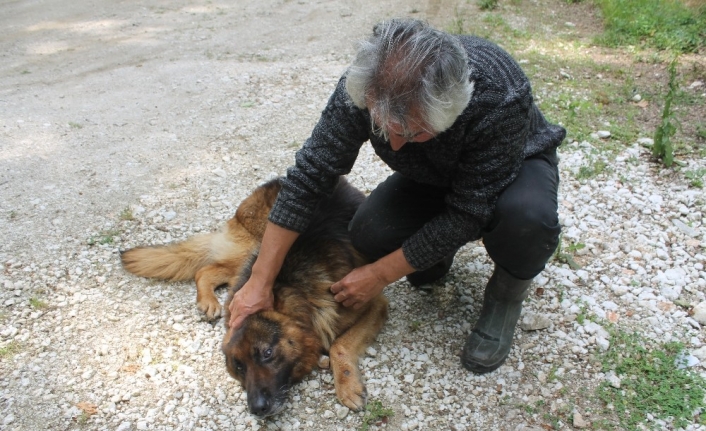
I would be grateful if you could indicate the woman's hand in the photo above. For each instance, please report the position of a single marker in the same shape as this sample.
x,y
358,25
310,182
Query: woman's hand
x,y
254,296
358,287
364,283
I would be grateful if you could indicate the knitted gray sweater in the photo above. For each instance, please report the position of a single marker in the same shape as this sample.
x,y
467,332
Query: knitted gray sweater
x,y
475,159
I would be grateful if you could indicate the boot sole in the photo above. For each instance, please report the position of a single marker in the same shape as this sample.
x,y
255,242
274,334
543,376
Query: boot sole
x,y
477,368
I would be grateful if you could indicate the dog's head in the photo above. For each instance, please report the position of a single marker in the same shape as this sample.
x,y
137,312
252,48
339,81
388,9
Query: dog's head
x,y
267,354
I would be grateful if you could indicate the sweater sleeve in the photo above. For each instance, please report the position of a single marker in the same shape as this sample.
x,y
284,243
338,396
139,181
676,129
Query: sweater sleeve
x,y
492,156
329,153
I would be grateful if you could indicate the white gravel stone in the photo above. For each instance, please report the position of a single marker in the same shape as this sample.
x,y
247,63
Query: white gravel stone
x,y
602,134
699,313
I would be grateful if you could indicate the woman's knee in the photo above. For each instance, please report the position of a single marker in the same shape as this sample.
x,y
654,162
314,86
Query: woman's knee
x,y
369,237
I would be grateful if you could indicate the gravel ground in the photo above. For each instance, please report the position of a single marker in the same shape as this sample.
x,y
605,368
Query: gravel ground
x,y
146,122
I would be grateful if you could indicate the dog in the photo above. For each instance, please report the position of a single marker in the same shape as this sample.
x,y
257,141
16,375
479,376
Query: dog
x,y
274,349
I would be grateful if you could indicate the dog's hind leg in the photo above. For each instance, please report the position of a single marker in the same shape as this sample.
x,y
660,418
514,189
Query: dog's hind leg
x,y
208,279
346,349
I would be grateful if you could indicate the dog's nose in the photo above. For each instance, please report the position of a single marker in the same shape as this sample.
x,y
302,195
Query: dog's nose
x,y
260,404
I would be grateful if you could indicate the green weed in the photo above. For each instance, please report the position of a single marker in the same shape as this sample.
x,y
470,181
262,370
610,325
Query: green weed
x,y
10,349
103,238
696,177
126,214
701,131
652,382
574,247
374,412
37,303
563,257
663,148
487,4
591,170
75,125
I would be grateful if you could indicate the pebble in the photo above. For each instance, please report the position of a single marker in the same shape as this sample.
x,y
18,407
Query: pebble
x,y
699,313
603,134
533,322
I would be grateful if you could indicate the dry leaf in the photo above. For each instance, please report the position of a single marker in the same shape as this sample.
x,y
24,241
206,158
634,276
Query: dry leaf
x,y
612,316
643,104
665,306
130,368
88,408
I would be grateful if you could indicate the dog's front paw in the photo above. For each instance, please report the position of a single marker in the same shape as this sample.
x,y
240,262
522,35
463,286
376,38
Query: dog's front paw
x,y
350,389
210,307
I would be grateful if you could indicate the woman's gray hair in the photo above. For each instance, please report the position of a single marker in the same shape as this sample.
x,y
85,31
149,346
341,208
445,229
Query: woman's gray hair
x,y
408,70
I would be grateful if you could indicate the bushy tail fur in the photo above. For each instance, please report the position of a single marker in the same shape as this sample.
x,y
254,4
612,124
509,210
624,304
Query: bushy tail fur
x,y
175,262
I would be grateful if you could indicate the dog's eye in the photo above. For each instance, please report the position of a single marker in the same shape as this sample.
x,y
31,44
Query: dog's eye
x,y
267,354
239,367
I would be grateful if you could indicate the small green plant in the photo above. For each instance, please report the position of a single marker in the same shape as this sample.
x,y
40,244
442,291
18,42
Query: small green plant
x,y
126,214
374,412
583,314
37,303
591,170
696,177
82,419
415,325
662,148
105,237
12,215
552,376
561,256
75,125
574,247
701,131
487,4
653,381
9,349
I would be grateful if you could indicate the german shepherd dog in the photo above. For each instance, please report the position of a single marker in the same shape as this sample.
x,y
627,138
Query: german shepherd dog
x,y
276,348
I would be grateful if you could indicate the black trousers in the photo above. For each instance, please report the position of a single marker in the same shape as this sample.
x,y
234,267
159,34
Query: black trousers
x,y
521,237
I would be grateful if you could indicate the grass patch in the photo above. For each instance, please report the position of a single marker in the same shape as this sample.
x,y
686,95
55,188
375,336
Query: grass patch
x,y
661,24
591,170
651,383
127,215
10,349
487,4
75,125
37,303
696,177
374,413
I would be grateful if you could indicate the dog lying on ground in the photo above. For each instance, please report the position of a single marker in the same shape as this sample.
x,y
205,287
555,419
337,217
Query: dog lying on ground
x,y
276,348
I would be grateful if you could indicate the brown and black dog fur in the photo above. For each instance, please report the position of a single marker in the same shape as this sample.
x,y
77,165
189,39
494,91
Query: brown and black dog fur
x,y
276,348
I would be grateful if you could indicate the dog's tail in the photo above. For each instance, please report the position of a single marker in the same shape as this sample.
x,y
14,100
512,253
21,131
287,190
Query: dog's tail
x,y
175,262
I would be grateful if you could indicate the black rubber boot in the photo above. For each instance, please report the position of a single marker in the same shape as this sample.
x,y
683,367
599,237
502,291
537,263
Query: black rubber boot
x,y
421,278
489,343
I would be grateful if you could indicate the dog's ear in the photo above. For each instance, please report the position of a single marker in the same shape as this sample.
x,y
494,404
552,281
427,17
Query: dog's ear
x,y
253,211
